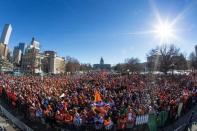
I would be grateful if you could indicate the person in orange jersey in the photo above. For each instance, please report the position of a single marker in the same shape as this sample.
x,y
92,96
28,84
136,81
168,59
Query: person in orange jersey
x,y
108,123
68,118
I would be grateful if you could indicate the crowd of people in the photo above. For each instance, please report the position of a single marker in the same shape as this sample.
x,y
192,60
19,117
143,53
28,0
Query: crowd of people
x,y
101,99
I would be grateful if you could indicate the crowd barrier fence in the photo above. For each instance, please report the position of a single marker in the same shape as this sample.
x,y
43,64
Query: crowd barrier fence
x,y
14,120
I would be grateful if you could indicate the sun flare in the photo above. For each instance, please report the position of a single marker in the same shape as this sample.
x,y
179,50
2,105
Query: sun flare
x,y
164,30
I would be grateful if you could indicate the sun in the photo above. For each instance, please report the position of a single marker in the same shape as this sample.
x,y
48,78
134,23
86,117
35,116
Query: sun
x,y
164,31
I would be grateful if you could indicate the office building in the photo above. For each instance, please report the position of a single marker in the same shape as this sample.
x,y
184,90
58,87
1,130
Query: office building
x,y
5,36
53,63
4,40
22,47
17,54
31,60
3,51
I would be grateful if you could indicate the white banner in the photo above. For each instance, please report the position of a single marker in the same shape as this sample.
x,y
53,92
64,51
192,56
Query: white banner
x,y
141,119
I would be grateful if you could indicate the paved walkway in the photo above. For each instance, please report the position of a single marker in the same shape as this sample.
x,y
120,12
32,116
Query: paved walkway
x,y
181,123
35,125
7,125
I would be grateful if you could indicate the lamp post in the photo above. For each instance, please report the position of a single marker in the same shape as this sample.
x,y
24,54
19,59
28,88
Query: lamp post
x,y
172,67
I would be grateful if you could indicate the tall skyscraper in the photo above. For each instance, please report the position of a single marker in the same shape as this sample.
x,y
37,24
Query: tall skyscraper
x,y
5,36
35,44
17,55
22,46
196,49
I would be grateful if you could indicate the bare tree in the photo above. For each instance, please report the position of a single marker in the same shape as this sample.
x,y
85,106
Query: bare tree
x,y
193,61
133,65
85,67
119,67
72,64
163,57
153,58
180,62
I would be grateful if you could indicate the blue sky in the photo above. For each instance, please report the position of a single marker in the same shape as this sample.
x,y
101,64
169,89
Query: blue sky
x,y
89,29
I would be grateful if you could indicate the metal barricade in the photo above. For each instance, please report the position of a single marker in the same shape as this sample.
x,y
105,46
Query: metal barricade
x,y
14,120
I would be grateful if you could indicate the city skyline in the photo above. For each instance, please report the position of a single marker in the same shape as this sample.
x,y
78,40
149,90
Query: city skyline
x,y
90,30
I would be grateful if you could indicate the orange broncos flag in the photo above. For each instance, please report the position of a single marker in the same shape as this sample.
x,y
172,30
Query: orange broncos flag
x,y
97,96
